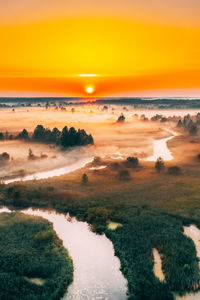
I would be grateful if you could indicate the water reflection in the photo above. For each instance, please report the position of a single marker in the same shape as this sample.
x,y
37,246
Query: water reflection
x,y
160,149
51,173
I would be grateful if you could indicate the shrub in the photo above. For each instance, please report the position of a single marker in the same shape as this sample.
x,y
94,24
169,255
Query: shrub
x,y
193,129
174,170
45,236
132,161
4,157
121,119
84,179
124,175
159,165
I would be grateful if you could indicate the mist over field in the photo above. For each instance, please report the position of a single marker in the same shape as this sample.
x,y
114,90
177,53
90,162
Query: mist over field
x,y
112,140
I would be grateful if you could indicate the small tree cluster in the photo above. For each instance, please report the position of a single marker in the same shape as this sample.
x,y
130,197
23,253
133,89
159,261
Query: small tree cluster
x,y
121,119
132,162
159,165
65,138
189,124
23,135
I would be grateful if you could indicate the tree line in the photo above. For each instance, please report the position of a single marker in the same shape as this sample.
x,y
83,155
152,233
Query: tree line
x,y
64,138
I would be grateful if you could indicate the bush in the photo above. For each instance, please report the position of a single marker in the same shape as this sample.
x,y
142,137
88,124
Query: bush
x,y
159,165
193,130
84,179
4,157
174,170
121,119
45,236
132,161
124,175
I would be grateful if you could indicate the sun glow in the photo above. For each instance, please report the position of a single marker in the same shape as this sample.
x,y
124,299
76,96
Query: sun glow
x,y
88,75
90,89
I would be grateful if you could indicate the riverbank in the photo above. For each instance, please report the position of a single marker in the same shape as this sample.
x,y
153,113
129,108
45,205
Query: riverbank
x,y
34,263
96,269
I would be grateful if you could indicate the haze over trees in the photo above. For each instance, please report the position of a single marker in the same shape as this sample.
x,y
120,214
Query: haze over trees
x,y
65,138
190,123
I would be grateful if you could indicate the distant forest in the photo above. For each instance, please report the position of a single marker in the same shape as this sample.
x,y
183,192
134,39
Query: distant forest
x,y
65,138
145,102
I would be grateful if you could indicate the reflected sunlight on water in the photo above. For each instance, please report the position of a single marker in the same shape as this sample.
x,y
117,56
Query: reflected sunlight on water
x,y
52,173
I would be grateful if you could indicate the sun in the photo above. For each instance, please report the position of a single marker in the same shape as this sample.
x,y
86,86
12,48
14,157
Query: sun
x,y
90,89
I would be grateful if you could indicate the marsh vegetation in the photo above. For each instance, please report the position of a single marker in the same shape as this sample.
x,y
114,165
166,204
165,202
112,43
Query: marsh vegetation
x,y
34,263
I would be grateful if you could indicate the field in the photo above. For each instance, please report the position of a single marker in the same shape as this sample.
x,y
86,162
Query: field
x,y
152,206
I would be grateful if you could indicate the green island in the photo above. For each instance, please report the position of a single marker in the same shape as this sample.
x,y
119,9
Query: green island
x,y
34,263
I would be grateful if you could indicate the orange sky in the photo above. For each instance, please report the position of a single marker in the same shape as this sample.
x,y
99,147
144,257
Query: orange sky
x,y
144,46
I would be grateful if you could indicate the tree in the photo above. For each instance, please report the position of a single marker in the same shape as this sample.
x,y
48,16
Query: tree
x,y
84,179
179,124
121,119
163,120
39,134
72,136
23,135
55,135
159,165
64,139
30,154
132,161
193,129
1,136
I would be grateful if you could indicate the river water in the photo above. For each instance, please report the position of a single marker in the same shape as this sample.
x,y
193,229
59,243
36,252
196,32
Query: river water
x,y
160,149
96,268
51,173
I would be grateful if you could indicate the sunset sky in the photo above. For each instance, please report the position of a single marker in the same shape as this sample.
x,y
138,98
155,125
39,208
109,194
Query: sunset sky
x,y
144,47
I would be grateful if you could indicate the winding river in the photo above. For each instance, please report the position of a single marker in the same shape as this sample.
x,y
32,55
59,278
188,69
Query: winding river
x,y
160,149
51,173
96,268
